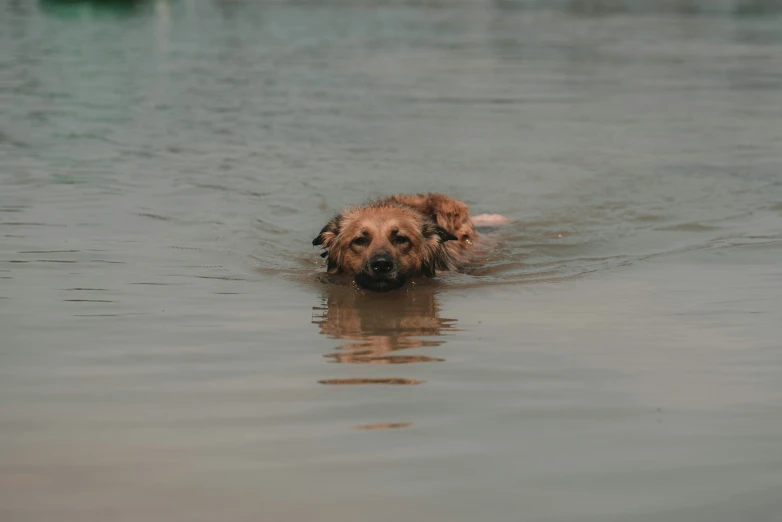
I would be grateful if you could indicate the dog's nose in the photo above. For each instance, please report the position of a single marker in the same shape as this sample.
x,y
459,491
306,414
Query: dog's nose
x,y
381,264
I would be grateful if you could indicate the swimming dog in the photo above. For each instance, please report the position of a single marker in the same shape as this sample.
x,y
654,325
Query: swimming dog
x,y
386,242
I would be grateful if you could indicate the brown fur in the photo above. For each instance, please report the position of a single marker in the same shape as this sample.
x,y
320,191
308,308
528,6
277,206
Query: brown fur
x,y
450,214
416,234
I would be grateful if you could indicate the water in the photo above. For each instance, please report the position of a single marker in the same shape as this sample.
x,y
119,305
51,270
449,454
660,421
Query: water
x,y
168,352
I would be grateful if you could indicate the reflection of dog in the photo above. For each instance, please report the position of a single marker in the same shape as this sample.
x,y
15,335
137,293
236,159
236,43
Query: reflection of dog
x,y
387,241
377,327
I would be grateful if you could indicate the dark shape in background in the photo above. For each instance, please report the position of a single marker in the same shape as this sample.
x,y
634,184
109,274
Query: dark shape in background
x,y
93,8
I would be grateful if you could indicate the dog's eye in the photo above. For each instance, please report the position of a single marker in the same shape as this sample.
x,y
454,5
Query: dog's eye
x,y
359,241
401,240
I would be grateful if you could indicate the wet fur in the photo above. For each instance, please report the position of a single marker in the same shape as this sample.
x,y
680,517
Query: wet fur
x,y
423,233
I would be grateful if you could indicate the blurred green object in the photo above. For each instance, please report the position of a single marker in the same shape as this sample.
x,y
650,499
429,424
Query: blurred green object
x,y
91,8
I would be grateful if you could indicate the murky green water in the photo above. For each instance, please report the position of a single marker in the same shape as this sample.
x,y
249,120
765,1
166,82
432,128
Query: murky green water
x,y
167,352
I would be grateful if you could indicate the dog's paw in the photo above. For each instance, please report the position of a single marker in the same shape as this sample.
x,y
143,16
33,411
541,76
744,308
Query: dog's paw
x,y
490,220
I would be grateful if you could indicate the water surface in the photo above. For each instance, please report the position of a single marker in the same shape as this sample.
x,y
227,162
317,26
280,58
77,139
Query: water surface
x,y
167,351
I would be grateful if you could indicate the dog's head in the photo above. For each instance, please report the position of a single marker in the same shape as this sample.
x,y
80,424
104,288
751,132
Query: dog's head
x,y
383,244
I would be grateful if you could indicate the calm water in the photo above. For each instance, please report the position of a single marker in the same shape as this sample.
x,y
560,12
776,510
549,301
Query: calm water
x,y
168,353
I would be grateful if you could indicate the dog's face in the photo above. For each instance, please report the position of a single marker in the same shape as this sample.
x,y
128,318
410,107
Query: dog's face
x,y
382,245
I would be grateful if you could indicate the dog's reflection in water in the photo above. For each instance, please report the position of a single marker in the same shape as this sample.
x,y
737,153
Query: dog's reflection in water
x,y
379,326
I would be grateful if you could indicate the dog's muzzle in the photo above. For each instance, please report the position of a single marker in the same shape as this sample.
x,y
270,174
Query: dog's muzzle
x,y
381,265
380,274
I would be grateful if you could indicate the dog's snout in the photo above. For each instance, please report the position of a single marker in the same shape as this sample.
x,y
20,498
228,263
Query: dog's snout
x,y
381,264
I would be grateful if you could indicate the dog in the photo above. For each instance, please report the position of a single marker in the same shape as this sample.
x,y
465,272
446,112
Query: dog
x,y
388,241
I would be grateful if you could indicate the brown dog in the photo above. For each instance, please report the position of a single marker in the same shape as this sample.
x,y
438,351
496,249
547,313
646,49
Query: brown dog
x,y
387,241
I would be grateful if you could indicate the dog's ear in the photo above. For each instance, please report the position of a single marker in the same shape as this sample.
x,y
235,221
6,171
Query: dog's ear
x,y
436,257
445,235
436,234
329,233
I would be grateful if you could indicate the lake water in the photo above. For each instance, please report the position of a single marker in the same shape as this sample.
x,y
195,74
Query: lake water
x,y
169,353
